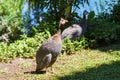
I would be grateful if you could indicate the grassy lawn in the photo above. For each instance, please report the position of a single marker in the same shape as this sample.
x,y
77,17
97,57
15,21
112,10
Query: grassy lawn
x,y
98,64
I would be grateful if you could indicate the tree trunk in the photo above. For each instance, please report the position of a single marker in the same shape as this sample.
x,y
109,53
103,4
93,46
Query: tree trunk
x,y
68,9
61,8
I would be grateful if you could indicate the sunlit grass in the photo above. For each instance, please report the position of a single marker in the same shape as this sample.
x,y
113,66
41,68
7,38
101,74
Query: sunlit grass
x,y
2,71
97,64
26,65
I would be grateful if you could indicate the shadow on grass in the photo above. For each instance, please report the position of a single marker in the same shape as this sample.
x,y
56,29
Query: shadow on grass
x,y
34,72
103,72
113,47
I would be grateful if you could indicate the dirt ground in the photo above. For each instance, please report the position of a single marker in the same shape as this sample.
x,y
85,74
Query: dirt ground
x,y
16,68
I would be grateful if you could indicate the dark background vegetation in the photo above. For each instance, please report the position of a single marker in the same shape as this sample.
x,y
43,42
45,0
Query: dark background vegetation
x,y
24,34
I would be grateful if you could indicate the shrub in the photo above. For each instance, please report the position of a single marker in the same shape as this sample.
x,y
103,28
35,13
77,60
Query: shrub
x,y
71,47
115,13
102,32
25,48
68,47
11,15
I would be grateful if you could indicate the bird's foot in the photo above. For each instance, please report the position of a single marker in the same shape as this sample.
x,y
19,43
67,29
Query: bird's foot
x,y
40,72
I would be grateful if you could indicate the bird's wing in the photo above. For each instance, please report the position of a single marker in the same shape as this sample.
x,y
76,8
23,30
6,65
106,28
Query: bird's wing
x,y
43,61
71,31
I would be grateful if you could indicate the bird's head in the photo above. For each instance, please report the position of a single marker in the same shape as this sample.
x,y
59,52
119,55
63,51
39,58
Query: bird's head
x,y
63,21
85,12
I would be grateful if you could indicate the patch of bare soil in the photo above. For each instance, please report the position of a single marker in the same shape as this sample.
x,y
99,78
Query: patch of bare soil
x,y
16,68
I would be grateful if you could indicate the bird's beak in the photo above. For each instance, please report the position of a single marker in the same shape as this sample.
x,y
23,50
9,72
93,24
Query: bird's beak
x,y
66,21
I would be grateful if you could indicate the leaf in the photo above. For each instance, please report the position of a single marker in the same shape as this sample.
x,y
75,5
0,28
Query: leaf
x,y
91,15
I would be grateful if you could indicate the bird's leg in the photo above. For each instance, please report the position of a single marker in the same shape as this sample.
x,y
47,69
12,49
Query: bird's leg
x,y
52,69
46,69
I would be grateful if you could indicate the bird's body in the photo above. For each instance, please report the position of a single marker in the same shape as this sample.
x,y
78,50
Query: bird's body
x,y
75,31
49,51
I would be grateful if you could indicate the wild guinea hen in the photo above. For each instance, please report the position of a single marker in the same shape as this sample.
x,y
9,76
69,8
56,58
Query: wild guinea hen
x,y
75,31
49,50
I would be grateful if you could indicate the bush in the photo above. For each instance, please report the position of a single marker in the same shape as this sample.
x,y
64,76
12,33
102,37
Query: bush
x,y
11,18
102,32
25,48
115,13
71,47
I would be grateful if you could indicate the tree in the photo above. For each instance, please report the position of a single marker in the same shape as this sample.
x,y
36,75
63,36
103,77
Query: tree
x,y
11,18
116,12
56,9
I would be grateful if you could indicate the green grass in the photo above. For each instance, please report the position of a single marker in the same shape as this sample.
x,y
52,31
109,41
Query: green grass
x,y
98,64
2,71
25,65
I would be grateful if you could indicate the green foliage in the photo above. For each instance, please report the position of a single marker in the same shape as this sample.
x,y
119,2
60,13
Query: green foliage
x,y
71,47
102,31
116,13
51,27
91,15
55,10
43,27
68,47
25,48
11,15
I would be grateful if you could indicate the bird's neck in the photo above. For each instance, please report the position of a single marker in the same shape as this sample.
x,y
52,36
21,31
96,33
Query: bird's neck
x,y
59,26
57,36
83,19
59,31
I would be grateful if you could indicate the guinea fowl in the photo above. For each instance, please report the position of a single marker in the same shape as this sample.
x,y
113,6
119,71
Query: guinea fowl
x,y
75,31
49,50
